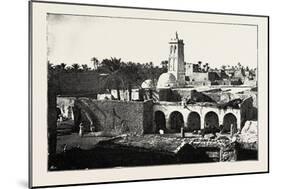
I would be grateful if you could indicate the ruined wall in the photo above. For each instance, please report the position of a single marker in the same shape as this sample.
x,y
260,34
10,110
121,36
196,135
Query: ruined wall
x,y
222,97
119,116
183,93
248,110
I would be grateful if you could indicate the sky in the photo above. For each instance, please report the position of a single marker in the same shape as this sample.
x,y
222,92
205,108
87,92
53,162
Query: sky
x,y
76,39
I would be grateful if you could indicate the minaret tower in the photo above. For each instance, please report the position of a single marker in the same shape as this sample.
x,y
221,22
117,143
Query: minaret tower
x,y
176,59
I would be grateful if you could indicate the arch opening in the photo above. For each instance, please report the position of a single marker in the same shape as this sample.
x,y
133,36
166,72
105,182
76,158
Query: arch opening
x,y
211,120
228,120
176,121
160,120
193,121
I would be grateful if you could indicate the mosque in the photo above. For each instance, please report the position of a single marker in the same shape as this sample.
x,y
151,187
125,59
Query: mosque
x,y
180,73
186,80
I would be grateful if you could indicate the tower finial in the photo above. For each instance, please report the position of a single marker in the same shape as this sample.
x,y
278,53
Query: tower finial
x,y
177,37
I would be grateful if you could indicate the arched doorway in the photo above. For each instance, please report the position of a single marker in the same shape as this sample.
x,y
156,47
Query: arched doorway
x,y
160,121
193,121
176,121
228,120
211,120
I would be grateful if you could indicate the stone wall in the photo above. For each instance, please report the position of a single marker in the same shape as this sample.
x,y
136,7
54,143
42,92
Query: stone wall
x,y
119,116
148,116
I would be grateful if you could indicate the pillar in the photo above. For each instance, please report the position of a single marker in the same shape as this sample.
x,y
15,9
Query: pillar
x,y
185,116
238,117
202,121
168,125
221,119
221,116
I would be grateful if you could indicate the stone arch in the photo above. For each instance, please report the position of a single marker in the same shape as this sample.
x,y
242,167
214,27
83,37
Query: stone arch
x,y
176,121
228,120
211,120
160,120
193,121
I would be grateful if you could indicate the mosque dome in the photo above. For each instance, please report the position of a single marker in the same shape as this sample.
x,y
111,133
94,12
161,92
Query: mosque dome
x,y
147,84
166,80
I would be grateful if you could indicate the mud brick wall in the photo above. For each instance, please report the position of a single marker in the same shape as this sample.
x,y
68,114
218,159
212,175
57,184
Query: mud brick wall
x,y
119,116
148,116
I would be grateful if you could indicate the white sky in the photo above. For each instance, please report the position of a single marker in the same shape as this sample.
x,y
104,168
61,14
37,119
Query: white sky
x,y
75,39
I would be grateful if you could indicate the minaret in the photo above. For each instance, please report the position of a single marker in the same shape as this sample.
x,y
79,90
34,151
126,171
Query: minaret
x,y
176,60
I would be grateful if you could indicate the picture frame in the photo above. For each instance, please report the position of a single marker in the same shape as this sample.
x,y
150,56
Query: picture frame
x,y
61,32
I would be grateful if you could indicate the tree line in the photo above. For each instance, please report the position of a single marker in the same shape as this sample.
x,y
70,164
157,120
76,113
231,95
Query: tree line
x,y
116,74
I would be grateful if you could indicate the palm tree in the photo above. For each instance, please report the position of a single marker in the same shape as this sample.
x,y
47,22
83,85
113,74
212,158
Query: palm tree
x,y
204,68
95,62
75,67
207,67
62,66
164,64
59,68
150,64
112,67
239,65
85,67
199,66
223,67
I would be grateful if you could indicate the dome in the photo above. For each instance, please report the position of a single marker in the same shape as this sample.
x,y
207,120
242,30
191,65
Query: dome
x,y
147,84
166,80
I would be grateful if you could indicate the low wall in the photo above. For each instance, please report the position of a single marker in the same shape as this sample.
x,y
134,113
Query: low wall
x,y
119,116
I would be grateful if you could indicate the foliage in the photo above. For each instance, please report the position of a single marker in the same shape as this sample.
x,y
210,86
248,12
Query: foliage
x,y
116,73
